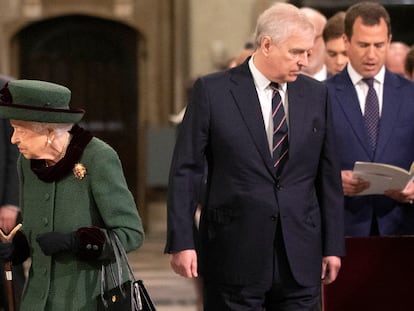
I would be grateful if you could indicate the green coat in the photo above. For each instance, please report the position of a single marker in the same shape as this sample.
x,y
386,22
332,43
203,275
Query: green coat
x,y
101,199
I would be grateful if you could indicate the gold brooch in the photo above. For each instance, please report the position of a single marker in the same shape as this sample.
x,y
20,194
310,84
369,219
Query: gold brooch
x,y
79,171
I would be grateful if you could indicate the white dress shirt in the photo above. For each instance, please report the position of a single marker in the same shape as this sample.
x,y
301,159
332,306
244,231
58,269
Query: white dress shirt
x,y
362,88
265,93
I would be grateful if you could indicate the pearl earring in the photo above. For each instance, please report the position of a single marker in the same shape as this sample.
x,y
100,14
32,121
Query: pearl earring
x,y
49,141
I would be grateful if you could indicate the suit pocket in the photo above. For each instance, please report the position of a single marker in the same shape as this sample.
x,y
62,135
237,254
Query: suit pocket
x,y
218,221
318,128
313,218
313,215
220,215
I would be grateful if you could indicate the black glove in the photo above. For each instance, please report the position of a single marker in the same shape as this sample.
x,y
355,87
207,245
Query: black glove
x,y
91,243
86,243
6,251
55,242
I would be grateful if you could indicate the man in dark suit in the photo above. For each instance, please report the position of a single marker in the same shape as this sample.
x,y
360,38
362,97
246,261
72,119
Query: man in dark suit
x,y
390,140
9,200
269,229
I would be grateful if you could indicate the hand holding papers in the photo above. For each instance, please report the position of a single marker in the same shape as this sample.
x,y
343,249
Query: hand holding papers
x,y
382,176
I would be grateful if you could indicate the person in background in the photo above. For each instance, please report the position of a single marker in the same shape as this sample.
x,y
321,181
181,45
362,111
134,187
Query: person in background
x,y
73,191
248,50
273,189
373,113
316,64
409,64
335,53
396,55
9,201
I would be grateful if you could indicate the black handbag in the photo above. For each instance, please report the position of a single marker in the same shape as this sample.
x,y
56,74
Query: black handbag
x,y
130,295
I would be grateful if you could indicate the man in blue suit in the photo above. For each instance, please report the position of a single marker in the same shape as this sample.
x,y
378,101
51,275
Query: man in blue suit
x,y
270,232
367,38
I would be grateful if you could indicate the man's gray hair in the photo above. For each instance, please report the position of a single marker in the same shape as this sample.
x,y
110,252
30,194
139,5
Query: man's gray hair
x,y
280,21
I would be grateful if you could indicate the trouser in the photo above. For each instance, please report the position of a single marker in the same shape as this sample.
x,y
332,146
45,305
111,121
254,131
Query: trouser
x,y
278,292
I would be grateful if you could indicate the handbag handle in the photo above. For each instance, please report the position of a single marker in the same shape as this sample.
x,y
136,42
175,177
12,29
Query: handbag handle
x,y
120,258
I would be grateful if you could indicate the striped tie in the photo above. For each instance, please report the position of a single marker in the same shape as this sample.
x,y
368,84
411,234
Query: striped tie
x,y
280,130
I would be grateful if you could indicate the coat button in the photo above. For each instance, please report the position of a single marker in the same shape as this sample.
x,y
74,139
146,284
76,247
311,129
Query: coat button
x,y
273,218
43,270
45,221
47,196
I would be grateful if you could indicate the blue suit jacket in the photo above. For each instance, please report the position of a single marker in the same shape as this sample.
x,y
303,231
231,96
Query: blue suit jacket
x,y
395,146
223,125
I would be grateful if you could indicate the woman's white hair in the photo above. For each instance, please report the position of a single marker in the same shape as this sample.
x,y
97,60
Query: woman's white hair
x,y
57,128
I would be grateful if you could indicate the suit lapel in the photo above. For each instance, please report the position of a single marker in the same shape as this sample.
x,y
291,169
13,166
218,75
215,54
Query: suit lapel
x,y
390,110
297,106
245,95
348,100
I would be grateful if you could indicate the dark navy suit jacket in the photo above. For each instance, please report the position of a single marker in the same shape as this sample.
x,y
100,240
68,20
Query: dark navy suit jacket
x,y
395,146
245,201
9,194
9,187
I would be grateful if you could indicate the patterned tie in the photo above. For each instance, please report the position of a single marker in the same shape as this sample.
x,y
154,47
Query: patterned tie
x,y
371,115
280,130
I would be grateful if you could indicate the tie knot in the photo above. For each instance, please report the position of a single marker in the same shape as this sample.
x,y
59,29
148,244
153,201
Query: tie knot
x,y
274,86
369,81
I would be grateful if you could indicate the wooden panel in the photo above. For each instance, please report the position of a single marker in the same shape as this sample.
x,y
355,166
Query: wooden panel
x,y
377,274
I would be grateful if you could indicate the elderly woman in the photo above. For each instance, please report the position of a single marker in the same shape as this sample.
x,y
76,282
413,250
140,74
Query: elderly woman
x,y
72,192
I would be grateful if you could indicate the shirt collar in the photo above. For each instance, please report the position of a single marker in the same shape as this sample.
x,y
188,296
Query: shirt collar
x,y
356,77
260,81
321,74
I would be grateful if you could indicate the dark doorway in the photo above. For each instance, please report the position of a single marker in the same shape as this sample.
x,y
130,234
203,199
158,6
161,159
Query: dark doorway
x,y
97,60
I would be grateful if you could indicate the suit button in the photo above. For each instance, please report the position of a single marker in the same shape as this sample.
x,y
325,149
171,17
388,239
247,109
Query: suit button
x,y
45,221
273,218
278,186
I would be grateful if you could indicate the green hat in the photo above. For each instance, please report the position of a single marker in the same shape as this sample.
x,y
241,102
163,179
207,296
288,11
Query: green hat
x,y
39,101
